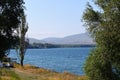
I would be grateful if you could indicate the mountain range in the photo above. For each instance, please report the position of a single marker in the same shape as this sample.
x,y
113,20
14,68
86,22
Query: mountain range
x,y
83,38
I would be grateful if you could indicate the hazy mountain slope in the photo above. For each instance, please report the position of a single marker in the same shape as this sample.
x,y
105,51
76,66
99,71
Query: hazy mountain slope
x,y
83,38
32,40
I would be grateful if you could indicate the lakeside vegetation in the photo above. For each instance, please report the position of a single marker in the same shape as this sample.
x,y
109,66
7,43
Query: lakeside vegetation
x,y
48,45
29,72
103,22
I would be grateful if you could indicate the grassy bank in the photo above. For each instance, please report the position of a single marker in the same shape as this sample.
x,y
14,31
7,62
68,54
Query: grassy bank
x,y
34,73
8,74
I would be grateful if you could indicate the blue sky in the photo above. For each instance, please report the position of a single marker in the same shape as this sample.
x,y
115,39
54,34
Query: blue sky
x,y
54,18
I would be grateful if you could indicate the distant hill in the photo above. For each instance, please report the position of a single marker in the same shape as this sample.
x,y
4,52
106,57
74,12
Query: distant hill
x,y
83,39
32,40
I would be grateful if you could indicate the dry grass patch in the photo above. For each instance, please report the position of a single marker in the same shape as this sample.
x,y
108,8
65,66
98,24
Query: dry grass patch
x,y
32,69
35,73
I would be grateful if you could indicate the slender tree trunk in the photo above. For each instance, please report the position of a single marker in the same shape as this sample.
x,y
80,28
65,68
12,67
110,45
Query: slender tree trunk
x,y
21,62
22,48
22,44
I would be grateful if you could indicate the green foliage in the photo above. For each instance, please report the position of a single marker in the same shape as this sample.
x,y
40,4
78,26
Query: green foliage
x,y
98,68
104,24
10,11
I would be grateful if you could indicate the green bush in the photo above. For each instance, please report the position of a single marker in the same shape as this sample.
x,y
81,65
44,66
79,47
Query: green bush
x,y
97,67
104,25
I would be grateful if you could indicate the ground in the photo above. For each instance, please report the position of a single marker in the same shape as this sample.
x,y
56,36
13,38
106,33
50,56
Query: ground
x,y
29,72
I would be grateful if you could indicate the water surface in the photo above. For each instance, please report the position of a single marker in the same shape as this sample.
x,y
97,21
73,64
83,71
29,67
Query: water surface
x,y
57,59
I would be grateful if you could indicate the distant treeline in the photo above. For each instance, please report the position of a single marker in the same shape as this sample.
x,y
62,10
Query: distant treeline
x,y
48,45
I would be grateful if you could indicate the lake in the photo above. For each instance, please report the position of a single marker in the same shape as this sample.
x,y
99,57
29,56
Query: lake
x,y
57,59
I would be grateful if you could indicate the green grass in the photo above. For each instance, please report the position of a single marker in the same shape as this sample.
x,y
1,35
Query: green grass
x,y
8,74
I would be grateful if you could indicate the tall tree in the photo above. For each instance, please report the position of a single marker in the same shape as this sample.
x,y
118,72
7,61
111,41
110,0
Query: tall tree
x,y
10,11
104,25
23,42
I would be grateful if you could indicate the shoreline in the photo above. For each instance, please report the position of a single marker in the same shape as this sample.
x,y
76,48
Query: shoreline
x,y
36,67
46,74
30,72
54,70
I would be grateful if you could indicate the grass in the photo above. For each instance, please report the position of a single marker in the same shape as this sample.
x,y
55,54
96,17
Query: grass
x,y
29,72
8,74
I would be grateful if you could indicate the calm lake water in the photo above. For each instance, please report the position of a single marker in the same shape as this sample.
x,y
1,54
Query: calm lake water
x,y
57,59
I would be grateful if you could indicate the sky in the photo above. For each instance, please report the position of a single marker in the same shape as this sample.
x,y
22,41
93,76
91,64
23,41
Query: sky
x,y
54,18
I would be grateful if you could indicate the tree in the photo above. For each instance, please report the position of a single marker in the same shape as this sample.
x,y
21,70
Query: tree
x,y
10,11
23,42
104,25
